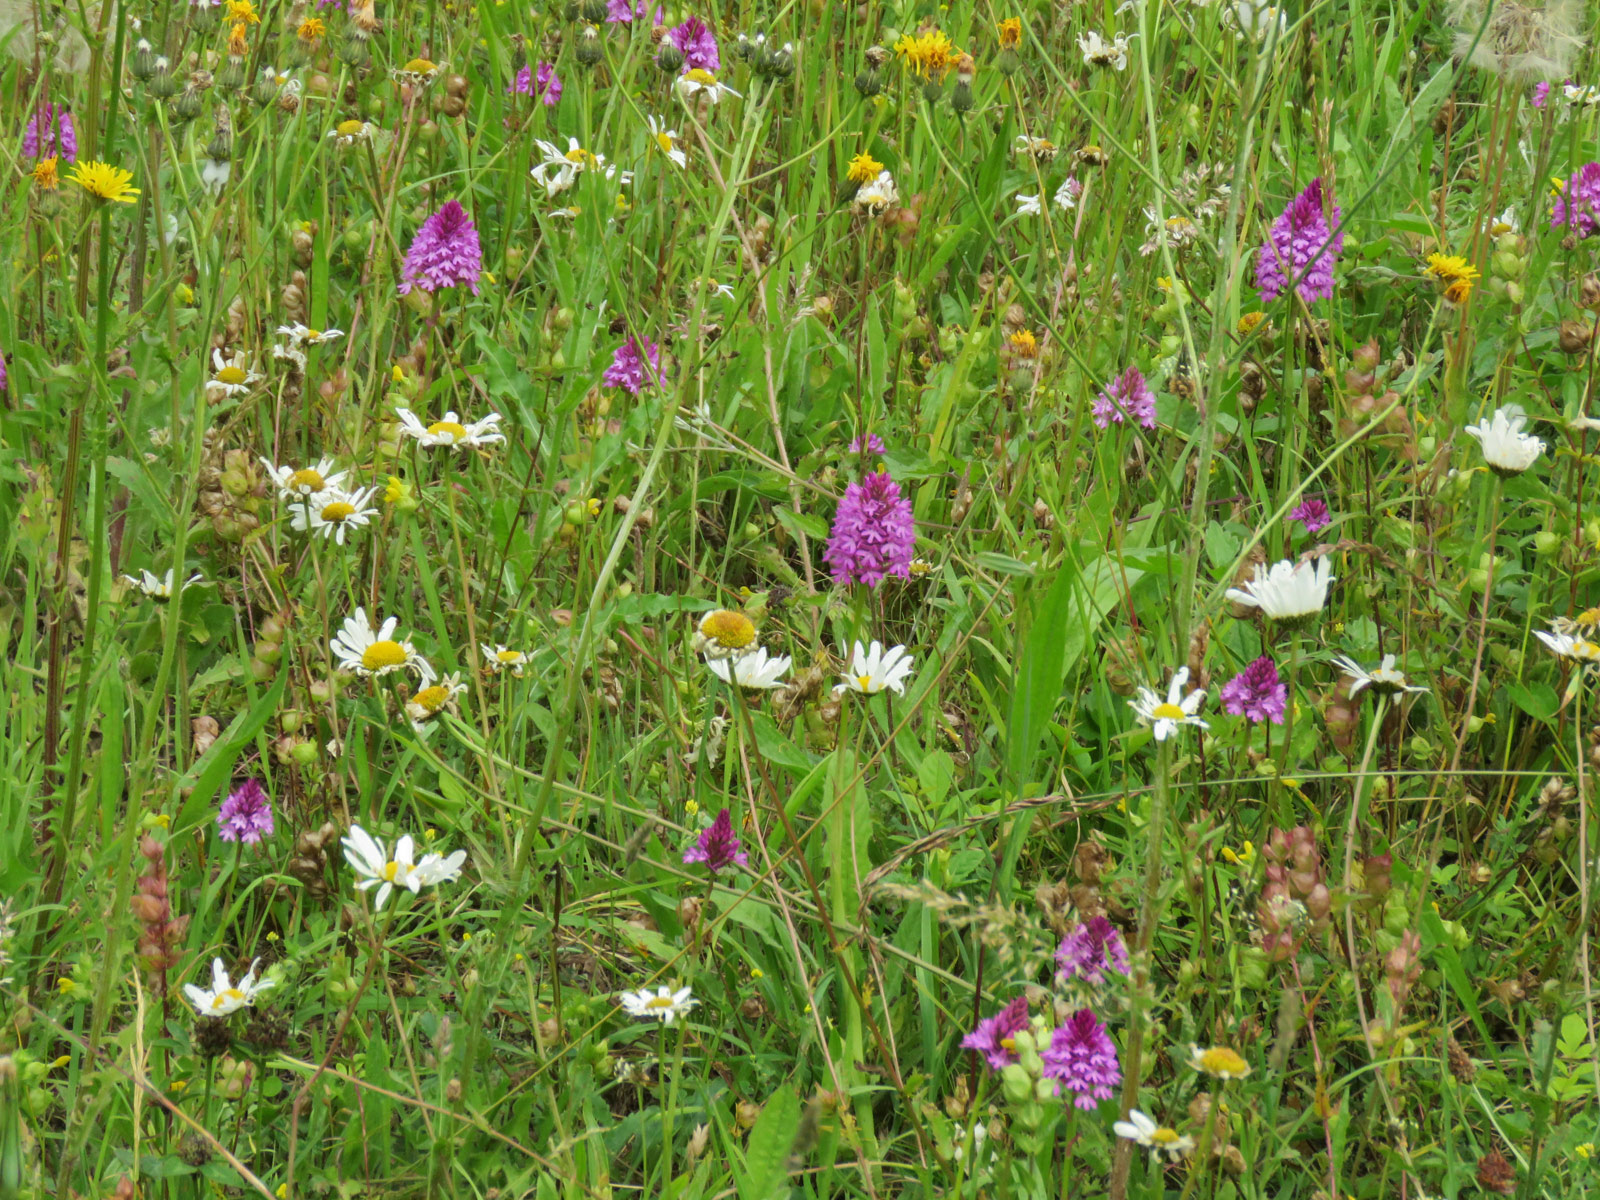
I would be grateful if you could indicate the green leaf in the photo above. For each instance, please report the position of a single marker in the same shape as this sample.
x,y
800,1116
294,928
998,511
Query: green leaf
x,y
1003,564
1538,700
1041,664
766,1163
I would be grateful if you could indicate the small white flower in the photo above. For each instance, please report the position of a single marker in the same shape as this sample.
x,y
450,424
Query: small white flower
x,y
663,1004
233,376
501,658
159,587
1384,678
876,669
877,195
665,138
1568,644
434,699
450,430
696,82
215,173
1029,206
1580,94
979,1131
1097,52
1166,717
367,856
224,997
1157,1139
1507,449
561,168
304,335
753,670
1256,20
334,512
366,651
304,483
1066,197
1287,591
1506,222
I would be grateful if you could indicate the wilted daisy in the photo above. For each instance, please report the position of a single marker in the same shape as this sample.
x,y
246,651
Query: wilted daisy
x,y
699,82
333,513
1158,1139
299,484
1097,52
434,699
1385,679
502,658
1218,1061
666,139
663,1004
450,430
724,633
875,669
561,168
1506,448
1166,717
367,856
418,72
233,376
1288,592
223,996
877,195
348,133
753,670
367,651
1568,644
1037,148
158,587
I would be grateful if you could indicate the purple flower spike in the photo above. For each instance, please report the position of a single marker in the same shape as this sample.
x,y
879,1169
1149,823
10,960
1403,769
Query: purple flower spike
x,y
1313,514
872,444
619,12
717,847
1300,248
444,253
1257,693
246,815
628,370
1579,202
548,85
698,43
992,1037
2,372
1090,951
873,533
1082,1059
1541,93
51,132
1128,395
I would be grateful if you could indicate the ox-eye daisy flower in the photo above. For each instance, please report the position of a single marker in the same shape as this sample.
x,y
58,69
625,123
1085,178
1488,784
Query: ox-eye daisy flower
x,y
450,430
1158,1139
1385,679
1287,592
434,699
297,485
667,140
663,1004
224,996
367,856
1506,448
304,335
334,513
502,658
348,133
1166,717
698,81
158,587
1569,644
368,651
724,633
753,670
233,376
1219,1061
875,669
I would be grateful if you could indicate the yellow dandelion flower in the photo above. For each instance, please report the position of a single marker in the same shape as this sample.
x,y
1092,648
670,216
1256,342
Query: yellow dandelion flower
x,y
1449,267
243,12
863,168
930,54
1024,344
1010,33
312,29
237,46
1459,291
44,174
105,182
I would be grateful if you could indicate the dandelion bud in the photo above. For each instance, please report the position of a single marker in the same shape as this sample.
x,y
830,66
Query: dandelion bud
x,y
220,147
356,49
187,107
1008,63
593,11
961,99
266,89
231,77
589,50
869,83
163,83
143,65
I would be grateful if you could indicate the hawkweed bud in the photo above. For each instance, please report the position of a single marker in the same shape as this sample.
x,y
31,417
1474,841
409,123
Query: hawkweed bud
x,y
869,83
187,106
593,11
669,58
143,66
590,51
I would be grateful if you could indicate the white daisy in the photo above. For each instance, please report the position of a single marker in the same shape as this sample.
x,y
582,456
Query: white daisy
x,y
1166,717
333,513
158,587
664,138
233,376
367,856
561,168
1029,206
304,335
874,670
434,699
697,82
1570,645
753,670
304,483
1097,52
1158,1139
663,1004
348,133
1384,678
877,195
1287,591
1506,449
1580,94
450,430
502,658
224,997
1037,148
366,651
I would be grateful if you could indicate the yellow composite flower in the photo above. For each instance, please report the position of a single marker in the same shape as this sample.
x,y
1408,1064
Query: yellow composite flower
x,y
312,29
1450,267
243,12
863,168
44,174
1024,344
237,46
930,53
1010,33
104,181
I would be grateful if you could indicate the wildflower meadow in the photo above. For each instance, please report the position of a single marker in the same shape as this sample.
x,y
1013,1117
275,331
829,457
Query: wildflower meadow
x,y
747,601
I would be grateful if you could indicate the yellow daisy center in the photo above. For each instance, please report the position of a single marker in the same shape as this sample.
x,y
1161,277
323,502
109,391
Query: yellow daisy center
x,y
220,1000
391,870
865,681
728,629
1220,1060
579,155
1168,712
431,698
664,140
349,128
1589,616
307,478
1008,1043
1164,1137
509,656
659,1002
701,76
339,510
387,653
457,432
232,376
419,66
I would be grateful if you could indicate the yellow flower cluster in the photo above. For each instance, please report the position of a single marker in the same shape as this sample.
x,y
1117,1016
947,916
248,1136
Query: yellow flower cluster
x,y
930,53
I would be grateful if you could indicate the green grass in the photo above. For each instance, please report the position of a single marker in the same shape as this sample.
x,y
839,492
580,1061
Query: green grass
x,y
1384,905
